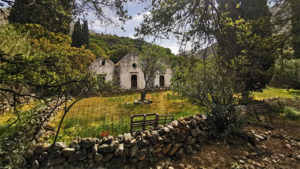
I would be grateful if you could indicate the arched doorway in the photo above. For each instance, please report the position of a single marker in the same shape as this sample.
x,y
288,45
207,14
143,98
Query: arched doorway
x,y
133,81
161,81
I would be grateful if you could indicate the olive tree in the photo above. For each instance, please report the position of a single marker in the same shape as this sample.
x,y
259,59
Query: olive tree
x,y
151,62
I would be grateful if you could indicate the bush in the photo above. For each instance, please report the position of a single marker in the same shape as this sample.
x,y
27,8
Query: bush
x,y
206,85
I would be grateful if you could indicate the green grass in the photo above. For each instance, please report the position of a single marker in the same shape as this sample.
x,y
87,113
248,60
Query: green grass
x,y
91,116
275,92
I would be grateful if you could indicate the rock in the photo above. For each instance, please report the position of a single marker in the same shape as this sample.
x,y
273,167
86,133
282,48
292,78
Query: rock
x,y
189,149
133,150
170,127
59,146
281,155
174,149
121,137
142,154
108,157
120,150
98,157
288,146
180,153
190,140
43,156
74,157
129,166
104,148
145,142
68,151
133,142
75,145
55,154
194,123
160,139
174,123
83,154
114,145
87,142
35,164
183,122
195,132
166,130
298,145
181,166
156,134
90,155
166,149
277,136
95,148
127,137
259,137
157,150
137,102
298,157
263,146
40,148
170,167
109,139
57,161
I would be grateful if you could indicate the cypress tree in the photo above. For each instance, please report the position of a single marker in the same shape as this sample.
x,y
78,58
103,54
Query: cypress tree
x,y
85,34
76,35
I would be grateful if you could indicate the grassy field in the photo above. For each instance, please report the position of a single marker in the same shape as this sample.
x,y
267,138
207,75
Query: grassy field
x,y
93,116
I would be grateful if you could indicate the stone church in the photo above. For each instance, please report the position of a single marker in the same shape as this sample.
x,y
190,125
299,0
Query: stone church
x,y
126,74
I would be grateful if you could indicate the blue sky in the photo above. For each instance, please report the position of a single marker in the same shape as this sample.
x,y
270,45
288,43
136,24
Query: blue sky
x,y
136,11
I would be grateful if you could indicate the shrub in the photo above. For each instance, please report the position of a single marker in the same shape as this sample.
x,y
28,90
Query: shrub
x,y
206,85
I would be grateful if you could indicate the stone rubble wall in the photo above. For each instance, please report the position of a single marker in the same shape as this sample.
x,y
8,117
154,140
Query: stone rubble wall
x,y
128,151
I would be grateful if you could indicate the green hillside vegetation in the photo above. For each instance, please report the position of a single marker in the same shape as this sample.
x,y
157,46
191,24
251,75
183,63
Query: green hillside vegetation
x,y
115,47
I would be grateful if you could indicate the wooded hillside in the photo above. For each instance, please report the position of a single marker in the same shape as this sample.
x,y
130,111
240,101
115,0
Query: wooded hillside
x,y
115,47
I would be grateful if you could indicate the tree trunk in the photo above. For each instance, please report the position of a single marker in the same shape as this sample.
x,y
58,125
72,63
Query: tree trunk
x,y
143,95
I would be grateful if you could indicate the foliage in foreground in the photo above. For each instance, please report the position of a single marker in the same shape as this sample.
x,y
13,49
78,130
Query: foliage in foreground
x,y
40,66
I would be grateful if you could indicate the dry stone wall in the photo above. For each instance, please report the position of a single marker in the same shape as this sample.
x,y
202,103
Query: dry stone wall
x,y
129,151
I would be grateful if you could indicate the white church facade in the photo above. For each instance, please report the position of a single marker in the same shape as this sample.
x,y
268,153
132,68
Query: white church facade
x,y
127,75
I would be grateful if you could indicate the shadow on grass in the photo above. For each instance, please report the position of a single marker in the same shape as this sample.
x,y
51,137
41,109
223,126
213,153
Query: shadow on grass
x,y
295,93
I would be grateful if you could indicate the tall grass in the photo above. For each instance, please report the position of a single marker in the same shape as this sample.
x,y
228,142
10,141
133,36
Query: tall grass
x,y
93,116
